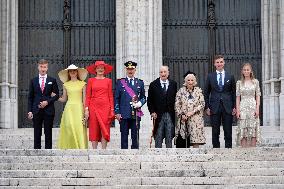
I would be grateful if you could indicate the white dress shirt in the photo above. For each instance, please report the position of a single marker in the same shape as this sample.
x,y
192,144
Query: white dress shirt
x,y
40,79
218,76
132,80
162,83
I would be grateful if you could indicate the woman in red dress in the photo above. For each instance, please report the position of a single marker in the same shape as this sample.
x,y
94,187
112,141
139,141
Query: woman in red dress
x,y
99,104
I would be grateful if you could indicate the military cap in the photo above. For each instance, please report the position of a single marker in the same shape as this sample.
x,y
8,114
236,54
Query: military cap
x,y
130,64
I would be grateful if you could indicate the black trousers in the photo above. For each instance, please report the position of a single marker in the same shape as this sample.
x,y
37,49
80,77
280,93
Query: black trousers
x,y
39,119
181,143
226,119
125,125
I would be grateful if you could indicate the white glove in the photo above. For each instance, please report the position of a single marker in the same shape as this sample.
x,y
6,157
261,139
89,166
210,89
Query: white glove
x,y
137,105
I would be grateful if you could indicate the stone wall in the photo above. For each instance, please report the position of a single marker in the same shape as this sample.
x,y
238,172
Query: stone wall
x,y
272,62
139,38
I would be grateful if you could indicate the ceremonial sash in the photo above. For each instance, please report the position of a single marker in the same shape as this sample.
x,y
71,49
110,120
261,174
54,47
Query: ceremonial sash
x,y
131,94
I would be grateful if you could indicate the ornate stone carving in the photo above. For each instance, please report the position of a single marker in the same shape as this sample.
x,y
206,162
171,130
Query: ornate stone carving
x,y
211,15
67,15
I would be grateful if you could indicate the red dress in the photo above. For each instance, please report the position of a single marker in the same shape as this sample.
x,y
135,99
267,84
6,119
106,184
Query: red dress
x,y
99,100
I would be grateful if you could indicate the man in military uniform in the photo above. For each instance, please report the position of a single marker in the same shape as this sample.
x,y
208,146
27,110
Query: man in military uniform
x,y
129,98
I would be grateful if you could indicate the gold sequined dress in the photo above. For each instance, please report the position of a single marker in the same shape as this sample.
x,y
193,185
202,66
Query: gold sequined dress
x,y
248,125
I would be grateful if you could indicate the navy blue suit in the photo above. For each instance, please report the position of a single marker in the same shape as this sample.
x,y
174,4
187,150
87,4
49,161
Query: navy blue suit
x,y
45,115
123,107
221,103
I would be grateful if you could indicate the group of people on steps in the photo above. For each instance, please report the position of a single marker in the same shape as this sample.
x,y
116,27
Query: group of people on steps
x,y
94,104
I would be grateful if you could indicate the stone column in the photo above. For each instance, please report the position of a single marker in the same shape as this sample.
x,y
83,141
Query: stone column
x,y
271,62
139,38
8,63
265,63
281,98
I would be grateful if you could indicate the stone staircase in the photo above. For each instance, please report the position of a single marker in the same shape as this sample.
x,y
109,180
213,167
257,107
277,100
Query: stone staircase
x,y
144,168
23,167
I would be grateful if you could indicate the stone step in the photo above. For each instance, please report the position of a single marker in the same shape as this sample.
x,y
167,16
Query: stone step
x,y
55,131
266,131
29,144
235,186
27,133
115,144
143,165
143,155
218,165
143,158
212,180
23,138
115,136
192,172
29,136
130,181
73,166
26,142
261,151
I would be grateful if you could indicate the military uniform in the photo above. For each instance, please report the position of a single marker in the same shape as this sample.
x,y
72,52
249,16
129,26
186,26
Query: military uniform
x,y
123,106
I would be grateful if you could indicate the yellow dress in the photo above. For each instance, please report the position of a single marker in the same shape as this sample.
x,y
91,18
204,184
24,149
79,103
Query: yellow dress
x,y
73,134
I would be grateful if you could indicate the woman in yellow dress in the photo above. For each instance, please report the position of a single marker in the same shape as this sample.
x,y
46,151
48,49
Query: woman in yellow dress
x,y
73,133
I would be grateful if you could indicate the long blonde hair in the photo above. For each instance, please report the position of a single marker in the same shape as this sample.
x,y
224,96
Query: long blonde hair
x,y
251,72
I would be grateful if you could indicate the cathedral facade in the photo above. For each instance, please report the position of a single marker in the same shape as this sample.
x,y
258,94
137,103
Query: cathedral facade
x,y
179,33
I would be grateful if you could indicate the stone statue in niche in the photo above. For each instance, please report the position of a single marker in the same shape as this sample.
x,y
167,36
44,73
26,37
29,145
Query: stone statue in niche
x,y
211,14
66,10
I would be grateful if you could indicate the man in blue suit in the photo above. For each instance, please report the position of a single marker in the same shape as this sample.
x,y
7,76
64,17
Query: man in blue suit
x,y
220,101
129,98
41,104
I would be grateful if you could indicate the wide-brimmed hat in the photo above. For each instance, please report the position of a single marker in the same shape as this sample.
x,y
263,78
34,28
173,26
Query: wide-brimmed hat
x,y
63,74
92,68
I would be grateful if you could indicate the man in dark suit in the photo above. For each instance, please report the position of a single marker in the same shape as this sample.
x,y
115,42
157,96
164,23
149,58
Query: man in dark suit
x,y
220,100
129,98
41,104
161,105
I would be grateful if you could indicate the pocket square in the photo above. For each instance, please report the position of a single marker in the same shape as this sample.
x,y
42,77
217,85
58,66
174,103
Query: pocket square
x,y
49,83
228,81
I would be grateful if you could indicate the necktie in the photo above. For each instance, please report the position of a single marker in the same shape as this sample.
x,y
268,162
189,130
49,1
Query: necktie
x,y
220,84
131,82
42,84
165,88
